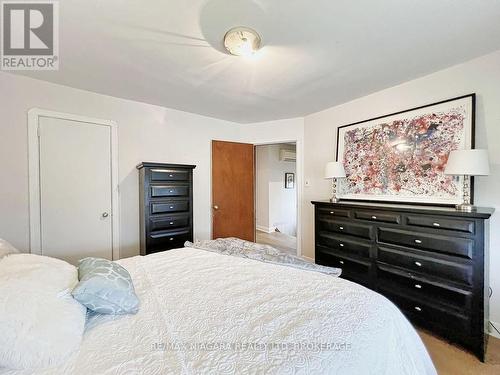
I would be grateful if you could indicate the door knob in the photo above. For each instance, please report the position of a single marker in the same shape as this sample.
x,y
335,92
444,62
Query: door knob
x,y
105,214
216,207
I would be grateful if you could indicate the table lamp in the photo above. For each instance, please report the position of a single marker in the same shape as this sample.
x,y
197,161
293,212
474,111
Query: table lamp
x,y
467,163
334,170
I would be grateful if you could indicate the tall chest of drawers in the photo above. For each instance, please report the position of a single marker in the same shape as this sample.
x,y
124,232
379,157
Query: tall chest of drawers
x,y
166,206
431,262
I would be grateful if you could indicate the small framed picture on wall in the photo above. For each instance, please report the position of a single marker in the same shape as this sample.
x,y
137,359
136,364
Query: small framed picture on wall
x,y
289,180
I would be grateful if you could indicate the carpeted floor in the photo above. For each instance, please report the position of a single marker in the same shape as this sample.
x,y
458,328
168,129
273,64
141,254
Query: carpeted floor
x,y
451,360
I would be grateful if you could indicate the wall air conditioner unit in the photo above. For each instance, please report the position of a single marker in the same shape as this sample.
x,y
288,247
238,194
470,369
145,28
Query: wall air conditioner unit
x,y
288,155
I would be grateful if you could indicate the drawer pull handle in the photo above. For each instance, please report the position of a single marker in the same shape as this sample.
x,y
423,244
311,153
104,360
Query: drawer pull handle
x,y
374,217
341,245
418,264
332,212
171,239
171,207
171,191
418,308
341,261
171,223
418,286
341,228
418,241
170,175
436,224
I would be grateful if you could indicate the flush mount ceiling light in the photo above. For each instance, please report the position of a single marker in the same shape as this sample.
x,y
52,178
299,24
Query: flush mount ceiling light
x,y
242,41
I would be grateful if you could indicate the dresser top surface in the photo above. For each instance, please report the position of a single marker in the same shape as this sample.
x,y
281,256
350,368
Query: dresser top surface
x,y
479,212
147,164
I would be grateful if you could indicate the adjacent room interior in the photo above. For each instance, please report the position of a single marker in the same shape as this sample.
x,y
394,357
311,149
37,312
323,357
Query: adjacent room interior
x,y
276,196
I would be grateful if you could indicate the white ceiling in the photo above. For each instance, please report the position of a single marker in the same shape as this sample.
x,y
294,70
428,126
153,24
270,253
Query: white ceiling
x,y
316,54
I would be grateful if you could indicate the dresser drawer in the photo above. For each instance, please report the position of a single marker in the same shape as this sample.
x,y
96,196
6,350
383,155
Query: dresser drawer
x,y
158,191
429,260
466,226
378,216
423,290
324,211
168,222
425,314
358,230
343,245
442,244
166,212
160,174
172,239
168,207
352,269
425,265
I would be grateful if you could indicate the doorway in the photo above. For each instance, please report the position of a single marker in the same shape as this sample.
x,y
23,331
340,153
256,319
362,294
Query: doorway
x,y
276,196
73,186
233,190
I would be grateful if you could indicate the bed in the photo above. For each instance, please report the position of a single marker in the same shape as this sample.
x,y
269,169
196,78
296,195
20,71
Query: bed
x,y
207,313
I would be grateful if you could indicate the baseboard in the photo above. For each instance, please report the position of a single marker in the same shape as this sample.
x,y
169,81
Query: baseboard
x,y
308,258
264,229
492,330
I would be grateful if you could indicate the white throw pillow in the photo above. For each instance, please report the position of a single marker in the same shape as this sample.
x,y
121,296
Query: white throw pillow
x,y
40,322
6,249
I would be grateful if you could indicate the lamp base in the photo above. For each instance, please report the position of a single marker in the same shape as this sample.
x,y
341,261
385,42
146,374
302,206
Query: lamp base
x,y
334,200
465,207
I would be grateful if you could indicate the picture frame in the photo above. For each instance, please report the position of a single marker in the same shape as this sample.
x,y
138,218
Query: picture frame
x,y
289,180
400,157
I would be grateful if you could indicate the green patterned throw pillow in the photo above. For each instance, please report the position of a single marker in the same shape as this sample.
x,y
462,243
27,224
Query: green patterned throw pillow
x,y
105,287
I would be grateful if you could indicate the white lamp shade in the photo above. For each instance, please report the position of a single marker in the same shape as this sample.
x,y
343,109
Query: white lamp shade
x,y
334,169
468,163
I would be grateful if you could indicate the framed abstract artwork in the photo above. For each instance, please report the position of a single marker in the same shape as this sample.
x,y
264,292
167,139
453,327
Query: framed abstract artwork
x,y
289,180
401,157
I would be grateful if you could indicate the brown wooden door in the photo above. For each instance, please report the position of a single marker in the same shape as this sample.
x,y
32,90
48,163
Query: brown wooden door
x,y
233,190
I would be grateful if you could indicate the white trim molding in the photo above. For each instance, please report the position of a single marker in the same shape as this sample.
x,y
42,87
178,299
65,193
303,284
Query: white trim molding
x,y
34,116
264,229
493,327
308,258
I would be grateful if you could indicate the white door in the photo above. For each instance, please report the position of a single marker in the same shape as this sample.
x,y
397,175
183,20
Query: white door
x,y
75,189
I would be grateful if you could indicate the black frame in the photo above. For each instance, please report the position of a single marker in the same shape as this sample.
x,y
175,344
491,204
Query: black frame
x,y
473,143
286,180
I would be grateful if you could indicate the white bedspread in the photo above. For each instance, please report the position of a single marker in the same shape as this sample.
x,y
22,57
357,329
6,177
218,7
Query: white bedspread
x,y
207,313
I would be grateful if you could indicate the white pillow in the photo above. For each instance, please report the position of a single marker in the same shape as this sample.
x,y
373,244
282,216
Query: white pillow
x,y
6,249
40,322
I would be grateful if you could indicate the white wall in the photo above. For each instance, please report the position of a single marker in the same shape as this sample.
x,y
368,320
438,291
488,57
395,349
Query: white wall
x,y
145,133
275,205
481,76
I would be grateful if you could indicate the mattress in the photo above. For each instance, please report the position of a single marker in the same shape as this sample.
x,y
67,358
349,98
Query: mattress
x,y
207,313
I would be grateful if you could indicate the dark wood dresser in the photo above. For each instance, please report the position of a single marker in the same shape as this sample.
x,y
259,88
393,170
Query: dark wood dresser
x,y
166,206
432,262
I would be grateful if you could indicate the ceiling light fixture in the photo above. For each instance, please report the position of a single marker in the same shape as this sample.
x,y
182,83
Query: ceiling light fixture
x,y
242,41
